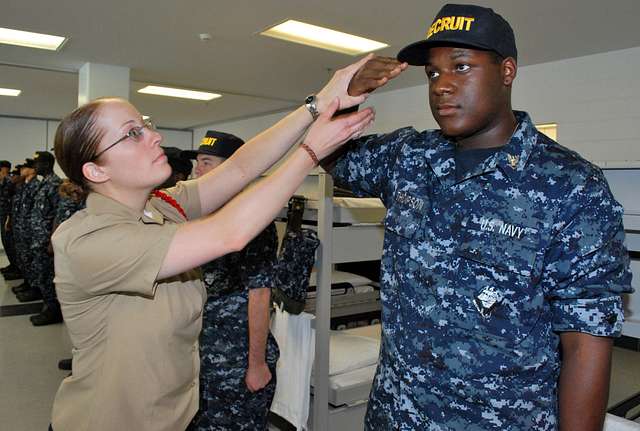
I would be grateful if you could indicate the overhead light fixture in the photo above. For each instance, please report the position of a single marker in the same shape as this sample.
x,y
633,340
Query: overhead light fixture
x,y
321,37
31,40
178,92
9,92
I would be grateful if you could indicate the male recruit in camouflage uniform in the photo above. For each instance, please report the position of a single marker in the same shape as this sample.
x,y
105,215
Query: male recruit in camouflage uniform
x,y
226,341
6,193
483,273
224,344
20,224
544,233
40,224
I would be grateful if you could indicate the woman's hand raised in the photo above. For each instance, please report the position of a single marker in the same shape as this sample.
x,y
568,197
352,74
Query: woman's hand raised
x,y
327,134
337,87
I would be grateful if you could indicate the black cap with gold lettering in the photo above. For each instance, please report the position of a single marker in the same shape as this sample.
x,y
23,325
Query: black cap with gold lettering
x,y
218,144
464,25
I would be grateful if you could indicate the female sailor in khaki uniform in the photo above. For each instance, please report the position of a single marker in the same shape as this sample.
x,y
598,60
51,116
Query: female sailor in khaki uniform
x,y
125,276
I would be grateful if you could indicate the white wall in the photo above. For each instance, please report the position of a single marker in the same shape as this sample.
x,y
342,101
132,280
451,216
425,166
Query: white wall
x,y
594,99
21,138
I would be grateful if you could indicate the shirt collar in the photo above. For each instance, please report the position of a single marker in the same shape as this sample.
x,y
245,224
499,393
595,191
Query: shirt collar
x,y
511,158
99,204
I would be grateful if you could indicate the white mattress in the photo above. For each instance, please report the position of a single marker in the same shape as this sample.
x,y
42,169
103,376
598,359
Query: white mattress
x,y
351,352
353,360
352,378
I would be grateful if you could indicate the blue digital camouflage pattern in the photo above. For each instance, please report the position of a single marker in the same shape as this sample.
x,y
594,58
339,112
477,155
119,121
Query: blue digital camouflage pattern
x,y
72,200
20,223
226,403
7,190
66,208
479,276
295,262
40,224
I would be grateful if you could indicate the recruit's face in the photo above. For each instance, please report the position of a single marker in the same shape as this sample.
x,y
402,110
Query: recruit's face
x,y
136,162
466,90
206,163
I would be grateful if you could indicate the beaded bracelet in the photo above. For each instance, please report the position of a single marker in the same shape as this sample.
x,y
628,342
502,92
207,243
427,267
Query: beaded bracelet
x,y
311,153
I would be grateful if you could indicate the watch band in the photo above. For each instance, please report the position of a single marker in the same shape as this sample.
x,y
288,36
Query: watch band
x,y
311,102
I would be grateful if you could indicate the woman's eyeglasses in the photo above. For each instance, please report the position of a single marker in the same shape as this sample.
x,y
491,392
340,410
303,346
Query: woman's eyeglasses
x,y
135,133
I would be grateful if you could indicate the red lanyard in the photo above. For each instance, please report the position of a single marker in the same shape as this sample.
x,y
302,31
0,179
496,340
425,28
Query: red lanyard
x,y
171,201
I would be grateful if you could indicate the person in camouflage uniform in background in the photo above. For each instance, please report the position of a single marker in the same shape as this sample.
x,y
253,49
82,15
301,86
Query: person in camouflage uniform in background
x,y
18,181
503,263
72,200
238,354
21,231
7,189
40,224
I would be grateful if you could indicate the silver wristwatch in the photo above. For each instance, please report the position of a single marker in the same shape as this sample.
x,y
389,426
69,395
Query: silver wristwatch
x,y
311,102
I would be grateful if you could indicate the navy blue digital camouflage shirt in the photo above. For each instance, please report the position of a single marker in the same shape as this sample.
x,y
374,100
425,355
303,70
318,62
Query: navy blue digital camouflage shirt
x,y
481,274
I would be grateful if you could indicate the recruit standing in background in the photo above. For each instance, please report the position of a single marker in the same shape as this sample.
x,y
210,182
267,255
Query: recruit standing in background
x,y
238,354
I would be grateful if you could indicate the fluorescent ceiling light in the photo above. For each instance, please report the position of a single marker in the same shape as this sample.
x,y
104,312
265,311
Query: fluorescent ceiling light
x,y
178,92
9,92
320,37
31,40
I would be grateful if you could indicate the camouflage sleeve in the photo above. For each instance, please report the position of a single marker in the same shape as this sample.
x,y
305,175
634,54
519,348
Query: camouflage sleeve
x,y
66,208
365,168
587,266
259,258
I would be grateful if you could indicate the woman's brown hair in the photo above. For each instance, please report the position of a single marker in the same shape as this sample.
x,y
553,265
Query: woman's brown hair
x,y
76,141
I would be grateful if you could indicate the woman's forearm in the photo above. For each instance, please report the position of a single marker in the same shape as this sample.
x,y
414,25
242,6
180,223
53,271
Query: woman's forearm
x,y
251,160
234,225
246,215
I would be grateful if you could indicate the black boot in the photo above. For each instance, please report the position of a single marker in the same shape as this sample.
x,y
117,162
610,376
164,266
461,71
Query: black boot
x,y
29,295
7,268
22,287
48,316
15,275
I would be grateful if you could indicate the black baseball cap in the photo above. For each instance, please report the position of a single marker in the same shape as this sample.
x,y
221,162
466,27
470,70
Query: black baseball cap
x,y
29,163
464,25
218,144
178,160
44,156
5,164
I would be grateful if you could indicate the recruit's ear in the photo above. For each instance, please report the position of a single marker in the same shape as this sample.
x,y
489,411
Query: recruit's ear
x,y
509,71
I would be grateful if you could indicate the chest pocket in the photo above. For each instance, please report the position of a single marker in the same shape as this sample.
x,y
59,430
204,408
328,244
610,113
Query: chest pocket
x,y
496,284
407,217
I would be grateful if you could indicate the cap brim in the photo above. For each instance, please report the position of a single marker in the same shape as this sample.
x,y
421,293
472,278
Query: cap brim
x,y
415,54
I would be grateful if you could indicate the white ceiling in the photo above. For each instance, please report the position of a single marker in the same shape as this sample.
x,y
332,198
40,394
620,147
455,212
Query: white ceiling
x,y
158,40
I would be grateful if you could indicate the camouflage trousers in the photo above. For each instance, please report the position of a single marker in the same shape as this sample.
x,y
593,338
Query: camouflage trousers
x,y
41,272
21,246
227,405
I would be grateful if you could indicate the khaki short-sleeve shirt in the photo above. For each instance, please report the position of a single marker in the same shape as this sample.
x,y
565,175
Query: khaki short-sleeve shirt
x,y
135,338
